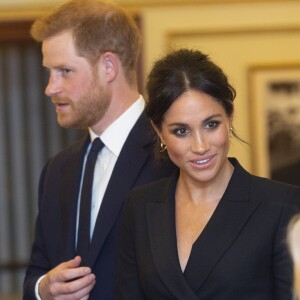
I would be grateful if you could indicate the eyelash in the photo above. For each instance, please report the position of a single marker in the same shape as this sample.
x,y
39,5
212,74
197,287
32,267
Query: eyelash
x,y
65,71
214,123
178,131
182,131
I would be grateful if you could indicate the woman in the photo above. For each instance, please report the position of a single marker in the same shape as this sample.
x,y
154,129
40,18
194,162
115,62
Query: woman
x,y
212,231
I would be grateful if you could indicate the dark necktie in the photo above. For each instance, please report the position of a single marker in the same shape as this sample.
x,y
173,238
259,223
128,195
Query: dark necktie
x,y
83,241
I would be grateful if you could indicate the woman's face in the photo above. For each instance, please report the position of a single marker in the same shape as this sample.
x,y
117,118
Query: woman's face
x,y
196,131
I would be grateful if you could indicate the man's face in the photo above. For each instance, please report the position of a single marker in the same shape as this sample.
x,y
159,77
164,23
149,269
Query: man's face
x,y
74,86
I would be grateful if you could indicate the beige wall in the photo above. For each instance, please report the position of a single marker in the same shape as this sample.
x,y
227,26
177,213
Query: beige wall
x,y
238,35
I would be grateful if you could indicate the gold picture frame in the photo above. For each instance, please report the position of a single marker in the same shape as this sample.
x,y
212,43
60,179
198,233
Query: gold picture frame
x,y
274,97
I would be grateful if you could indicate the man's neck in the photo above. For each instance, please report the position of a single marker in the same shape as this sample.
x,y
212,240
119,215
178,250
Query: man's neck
x,y
117,107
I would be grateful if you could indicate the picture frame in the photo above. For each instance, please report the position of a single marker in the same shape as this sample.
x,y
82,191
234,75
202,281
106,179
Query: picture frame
x,y
274,102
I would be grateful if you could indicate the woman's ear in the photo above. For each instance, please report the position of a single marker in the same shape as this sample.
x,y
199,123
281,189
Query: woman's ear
x,y
231,122
157,131
110,64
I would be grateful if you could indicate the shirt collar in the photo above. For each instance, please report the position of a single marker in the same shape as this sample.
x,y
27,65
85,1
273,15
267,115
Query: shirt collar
x,y
115,135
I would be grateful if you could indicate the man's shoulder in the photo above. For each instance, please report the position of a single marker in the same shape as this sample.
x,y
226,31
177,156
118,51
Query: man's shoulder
x,y
74,148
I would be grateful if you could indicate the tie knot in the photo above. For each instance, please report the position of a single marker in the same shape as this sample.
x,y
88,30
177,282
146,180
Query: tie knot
x,y
97,145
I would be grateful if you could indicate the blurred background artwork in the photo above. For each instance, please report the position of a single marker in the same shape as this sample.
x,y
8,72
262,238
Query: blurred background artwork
x,y
275,111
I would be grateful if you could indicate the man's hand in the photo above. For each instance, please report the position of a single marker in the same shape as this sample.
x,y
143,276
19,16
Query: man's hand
x,y
67,281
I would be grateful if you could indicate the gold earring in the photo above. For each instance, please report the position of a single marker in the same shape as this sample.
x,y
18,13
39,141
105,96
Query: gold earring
x,y
163,147
230,132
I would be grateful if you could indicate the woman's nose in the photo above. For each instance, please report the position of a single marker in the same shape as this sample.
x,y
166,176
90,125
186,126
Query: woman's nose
x,y
200,144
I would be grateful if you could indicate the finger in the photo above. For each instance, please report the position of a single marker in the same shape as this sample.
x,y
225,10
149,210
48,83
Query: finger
x,y
72,263
67,275
78,288
82,287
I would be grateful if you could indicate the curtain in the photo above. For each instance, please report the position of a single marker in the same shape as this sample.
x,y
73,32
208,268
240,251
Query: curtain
x,y
29,136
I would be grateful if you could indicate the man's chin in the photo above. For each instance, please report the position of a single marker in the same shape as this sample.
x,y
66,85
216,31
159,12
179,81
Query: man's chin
x,y
74,125
65,124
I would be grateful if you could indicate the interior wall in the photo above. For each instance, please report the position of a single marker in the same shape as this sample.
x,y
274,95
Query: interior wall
x,y
238,37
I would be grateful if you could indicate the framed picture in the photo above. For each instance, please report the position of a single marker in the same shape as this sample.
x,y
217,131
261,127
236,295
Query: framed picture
x,y
274,97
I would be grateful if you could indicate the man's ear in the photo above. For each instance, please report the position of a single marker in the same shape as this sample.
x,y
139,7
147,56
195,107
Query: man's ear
x,y
110,65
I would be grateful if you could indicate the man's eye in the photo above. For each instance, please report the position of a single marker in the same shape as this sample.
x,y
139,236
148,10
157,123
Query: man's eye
x,y
65,71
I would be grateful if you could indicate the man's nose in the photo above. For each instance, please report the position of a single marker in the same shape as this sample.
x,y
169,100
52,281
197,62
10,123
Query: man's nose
x,y
54,86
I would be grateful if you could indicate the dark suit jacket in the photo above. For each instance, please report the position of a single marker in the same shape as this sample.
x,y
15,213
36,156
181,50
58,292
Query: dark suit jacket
x,y
240,255
58,194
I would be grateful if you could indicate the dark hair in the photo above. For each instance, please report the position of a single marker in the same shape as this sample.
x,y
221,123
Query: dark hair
x,y
179,72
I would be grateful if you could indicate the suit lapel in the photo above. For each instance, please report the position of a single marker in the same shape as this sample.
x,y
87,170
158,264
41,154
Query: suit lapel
x,y
70,182
126,170
233,211
162,235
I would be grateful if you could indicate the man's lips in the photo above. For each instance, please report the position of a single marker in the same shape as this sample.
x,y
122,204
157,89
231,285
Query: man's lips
x,y
60,105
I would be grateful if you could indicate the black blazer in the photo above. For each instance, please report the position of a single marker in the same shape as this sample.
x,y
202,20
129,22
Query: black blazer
x,y
58,195
240,255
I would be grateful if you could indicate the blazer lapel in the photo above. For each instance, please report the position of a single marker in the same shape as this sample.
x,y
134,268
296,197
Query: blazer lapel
x,y
70,181
162,234
233,211
126,170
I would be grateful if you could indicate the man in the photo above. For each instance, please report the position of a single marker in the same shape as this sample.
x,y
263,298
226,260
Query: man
x,y
90,49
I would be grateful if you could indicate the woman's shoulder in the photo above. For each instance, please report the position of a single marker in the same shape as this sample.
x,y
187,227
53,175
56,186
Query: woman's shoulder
x,y
276,194
139,197
265,189
151,188
274,186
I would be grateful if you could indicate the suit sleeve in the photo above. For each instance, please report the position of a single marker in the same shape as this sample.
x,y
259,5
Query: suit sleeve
x,y
128,283
282,263
39,263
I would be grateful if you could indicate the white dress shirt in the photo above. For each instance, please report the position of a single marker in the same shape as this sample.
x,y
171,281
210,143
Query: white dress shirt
x,y
113,138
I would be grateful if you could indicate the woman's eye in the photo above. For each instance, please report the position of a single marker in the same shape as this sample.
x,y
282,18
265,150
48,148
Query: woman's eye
x,y
212,124
180,131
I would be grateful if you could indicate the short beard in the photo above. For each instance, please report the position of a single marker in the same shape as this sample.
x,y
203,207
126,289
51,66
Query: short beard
x,y
88,110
